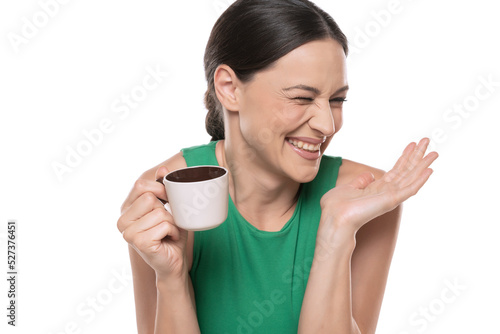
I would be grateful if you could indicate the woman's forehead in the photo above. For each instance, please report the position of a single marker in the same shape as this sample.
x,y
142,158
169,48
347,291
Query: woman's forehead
x,y
319,64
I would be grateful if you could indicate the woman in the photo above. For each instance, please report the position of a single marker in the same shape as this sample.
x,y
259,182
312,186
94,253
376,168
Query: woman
x,y
309,238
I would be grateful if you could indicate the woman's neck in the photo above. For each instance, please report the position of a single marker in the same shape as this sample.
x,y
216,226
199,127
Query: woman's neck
x,y
264,199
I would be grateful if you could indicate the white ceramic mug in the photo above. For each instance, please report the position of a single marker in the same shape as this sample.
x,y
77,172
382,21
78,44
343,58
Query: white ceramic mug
x,y
198,196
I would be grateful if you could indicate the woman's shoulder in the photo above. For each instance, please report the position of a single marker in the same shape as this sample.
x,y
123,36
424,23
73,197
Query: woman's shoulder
x,y
175,162
178,160
350,169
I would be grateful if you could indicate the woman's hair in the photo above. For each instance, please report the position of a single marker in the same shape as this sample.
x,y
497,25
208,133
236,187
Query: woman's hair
x,y
252,34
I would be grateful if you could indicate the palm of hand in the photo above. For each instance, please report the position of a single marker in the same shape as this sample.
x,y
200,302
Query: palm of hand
x,y
363,199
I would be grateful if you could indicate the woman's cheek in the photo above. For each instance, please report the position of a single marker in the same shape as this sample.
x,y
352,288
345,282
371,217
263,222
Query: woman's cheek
x,y
258,130
277,120
290,117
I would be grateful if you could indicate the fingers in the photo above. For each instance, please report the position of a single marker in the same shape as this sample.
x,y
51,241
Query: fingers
x,y
418,153
146,203
402,161
160,173
411,158
143,185
412,170
154,226
413,188
405,156
415,156
160,180
362,180
420,168
417,163
162,231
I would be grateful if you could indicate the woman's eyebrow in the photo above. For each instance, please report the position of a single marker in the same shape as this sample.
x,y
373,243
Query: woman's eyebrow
x,y
303,87
314,89
341,89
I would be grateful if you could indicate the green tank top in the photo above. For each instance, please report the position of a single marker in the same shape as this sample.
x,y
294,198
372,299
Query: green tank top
x,y
252,281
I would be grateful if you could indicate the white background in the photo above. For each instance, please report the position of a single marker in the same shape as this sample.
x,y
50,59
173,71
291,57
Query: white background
x,y
407,71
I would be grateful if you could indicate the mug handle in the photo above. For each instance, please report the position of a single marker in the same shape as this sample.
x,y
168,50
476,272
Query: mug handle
x,y
160,180
165,203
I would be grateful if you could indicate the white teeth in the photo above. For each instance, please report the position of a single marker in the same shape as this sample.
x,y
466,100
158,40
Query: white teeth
x,y
305,146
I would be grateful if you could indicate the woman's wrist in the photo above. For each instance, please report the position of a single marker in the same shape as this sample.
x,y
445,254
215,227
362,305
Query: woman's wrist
x,y
335,233
171,283
175,306
173,279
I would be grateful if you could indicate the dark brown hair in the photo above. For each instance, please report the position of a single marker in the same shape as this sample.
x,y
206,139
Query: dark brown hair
x,y
252,34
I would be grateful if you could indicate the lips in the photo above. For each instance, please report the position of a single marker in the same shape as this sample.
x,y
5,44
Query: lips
x,y
306,143
307,148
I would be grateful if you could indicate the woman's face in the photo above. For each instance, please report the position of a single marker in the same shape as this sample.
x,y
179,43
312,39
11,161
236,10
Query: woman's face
x,y
290,112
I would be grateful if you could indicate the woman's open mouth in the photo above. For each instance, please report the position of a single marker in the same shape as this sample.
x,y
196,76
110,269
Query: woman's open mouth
x,y
304,146
309,151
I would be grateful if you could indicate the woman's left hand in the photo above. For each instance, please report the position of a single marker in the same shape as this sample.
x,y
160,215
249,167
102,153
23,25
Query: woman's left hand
x,y
354,204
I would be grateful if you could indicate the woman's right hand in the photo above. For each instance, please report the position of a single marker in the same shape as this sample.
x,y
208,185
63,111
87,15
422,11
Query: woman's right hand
x,y
150,229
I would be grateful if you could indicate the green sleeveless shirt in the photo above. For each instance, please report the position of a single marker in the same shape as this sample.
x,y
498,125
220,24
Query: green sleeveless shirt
x,y
252,281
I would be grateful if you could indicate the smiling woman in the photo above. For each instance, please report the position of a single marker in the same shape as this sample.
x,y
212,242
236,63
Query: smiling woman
x,y
308,240
300,94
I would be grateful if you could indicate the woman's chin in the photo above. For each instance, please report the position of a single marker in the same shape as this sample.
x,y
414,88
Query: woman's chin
x,y
304,175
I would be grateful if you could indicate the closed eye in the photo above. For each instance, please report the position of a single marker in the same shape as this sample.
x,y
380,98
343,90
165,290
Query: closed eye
x,y
339,101
303,98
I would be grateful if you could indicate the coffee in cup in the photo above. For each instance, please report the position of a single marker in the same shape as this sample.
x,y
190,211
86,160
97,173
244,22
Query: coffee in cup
x,y
198,196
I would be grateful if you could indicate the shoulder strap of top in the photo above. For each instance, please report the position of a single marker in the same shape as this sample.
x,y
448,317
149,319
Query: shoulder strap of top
x,y
200,155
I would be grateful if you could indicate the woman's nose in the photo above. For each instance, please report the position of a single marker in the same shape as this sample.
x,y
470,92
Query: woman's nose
x,y
322,120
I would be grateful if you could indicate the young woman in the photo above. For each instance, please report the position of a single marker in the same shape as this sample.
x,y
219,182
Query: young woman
x,y
309,238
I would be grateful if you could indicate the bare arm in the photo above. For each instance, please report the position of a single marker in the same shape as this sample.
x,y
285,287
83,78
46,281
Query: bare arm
x,y
356,271
327,304
144,278
352,257
370,264
162,306
149,296
176,312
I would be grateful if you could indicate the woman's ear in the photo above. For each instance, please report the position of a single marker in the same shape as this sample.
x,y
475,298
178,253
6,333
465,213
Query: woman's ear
x,y
226,85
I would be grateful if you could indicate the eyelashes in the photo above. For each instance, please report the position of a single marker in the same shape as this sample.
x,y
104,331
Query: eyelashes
x,y
338,99
309,99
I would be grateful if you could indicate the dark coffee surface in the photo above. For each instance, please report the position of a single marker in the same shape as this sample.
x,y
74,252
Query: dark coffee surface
x,y
196,174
